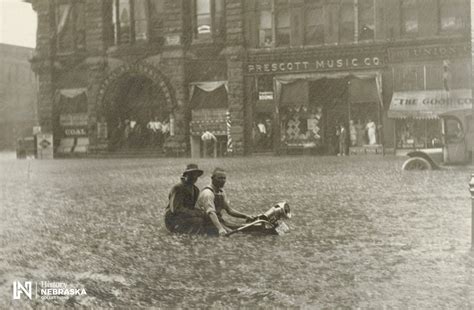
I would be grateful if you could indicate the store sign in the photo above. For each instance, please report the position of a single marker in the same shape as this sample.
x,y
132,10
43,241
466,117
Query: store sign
x,y
44,146
75,132
429,104
402,54
265,95
320,64
73,119
173,39
204,29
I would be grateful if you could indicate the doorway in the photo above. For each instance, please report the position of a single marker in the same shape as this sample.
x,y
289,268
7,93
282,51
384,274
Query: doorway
x,y
136,115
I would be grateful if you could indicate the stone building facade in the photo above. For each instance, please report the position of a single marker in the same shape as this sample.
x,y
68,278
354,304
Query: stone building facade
x,y
271,75
18,92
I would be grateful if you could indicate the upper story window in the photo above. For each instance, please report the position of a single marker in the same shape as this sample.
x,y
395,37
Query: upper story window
x,y
282,23
70,25
409,17
135,20
130,21
314,22
366,20
453,15
347,21
265,23
275,23
209,19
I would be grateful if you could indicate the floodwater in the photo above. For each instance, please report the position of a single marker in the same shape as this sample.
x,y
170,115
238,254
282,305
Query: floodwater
x,y
363,234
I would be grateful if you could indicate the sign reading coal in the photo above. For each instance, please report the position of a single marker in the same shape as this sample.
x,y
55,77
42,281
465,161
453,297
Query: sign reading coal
x,y
75,131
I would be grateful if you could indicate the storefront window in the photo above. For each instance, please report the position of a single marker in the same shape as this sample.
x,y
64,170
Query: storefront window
x,y
366,16
418,133
347,21
453,16
409,17
300,127
314,24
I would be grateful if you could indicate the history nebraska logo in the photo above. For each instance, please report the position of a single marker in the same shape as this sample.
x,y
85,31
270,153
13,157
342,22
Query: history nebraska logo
x,y
21,288
45,290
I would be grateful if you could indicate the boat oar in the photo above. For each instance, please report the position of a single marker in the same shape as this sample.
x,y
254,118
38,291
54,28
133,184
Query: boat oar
x,y
246,226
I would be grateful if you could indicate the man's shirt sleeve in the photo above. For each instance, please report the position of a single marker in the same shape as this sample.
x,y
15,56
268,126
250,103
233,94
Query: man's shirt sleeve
x,y
206,201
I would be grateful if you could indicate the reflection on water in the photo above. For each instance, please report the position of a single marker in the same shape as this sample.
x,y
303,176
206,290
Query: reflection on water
x,y
363,234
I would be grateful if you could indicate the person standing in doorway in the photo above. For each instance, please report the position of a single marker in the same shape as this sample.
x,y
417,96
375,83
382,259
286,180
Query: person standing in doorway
x,y
210,144
342,140
269,135
371,132
353,133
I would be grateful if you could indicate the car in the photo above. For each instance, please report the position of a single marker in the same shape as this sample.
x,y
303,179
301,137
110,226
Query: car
x,y
458,136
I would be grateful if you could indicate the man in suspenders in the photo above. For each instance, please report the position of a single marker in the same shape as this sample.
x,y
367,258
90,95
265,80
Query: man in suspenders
x,y
212,201
180,215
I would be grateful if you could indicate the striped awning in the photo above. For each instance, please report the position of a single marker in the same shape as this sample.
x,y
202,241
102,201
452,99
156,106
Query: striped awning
x,y
428,104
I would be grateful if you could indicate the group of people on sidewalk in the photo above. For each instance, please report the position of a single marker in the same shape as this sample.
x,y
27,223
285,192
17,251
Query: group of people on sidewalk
x,y
200,212
357,135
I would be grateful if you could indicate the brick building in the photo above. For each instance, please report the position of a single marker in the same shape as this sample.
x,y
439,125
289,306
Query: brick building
x,y
273,75
18,92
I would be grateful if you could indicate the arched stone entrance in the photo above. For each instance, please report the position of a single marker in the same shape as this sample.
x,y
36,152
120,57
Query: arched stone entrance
x,y
137,106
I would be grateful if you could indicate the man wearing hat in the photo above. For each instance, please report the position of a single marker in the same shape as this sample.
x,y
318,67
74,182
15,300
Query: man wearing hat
x,y
212,201
180,215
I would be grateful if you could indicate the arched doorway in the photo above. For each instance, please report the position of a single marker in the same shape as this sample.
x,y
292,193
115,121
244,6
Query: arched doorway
x,y
137,114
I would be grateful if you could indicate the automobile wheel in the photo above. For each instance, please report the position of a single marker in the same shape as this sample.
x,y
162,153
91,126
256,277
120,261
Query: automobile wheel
x,y
416,163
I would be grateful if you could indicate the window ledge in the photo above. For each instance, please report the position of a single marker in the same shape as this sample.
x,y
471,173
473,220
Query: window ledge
x,y
133,48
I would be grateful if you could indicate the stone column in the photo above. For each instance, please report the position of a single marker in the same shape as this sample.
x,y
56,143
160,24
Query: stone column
x,y
96,74
172,65
42,63
235,55
471,20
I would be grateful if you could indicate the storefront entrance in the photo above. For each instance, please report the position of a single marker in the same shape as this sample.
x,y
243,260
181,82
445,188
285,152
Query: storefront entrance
x,y
136,115
333,114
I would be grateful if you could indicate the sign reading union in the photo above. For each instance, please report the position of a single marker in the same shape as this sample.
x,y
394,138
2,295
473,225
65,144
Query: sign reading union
x,y
323,64
402,54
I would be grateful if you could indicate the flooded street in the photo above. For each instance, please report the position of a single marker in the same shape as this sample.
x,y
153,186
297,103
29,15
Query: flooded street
x,y
363,234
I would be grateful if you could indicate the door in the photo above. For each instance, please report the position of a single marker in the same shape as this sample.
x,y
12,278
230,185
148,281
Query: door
x,y
455,150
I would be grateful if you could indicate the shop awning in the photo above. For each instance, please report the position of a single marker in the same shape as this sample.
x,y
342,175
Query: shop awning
x,y
292,90
72,100
294,95
363,91
428,104
214,99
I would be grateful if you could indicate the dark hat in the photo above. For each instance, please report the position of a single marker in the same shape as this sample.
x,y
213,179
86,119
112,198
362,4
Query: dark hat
x,y
193,168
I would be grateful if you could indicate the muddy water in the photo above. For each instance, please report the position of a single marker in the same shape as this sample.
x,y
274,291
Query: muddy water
x,y
364,234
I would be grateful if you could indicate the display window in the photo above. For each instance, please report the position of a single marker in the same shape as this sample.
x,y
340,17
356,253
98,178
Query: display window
x,y
302,127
